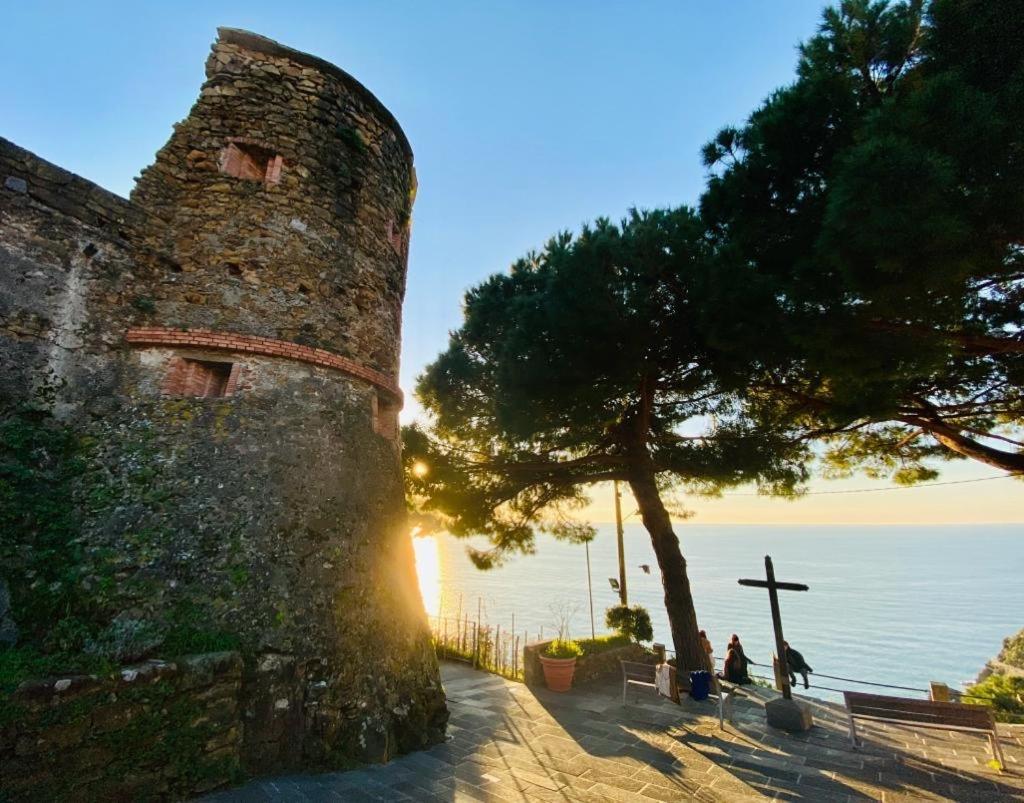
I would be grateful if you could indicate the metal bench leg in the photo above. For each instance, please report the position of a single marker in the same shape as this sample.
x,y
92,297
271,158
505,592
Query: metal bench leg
x,y
625,687
853,732
997,750
721,712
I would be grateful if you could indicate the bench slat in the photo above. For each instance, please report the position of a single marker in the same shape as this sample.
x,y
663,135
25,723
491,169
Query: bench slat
x,y
633,670
925,712
922,714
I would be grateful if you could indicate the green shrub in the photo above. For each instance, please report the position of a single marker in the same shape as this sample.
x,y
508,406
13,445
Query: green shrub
x,y
1013,650
593,646
563,648
1004,693
633,623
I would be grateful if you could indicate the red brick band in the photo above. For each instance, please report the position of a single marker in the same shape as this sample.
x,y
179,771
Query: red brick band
x,y
245,344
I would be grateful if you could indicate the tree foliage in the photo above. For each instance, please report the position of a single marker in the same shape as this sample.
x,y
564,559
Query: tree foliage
x,y
872,215
855,275
581,365
634,623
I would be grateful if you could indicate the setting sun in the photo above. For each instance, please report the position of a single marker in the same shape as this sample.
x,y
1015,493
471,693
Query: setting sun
x,y
428,569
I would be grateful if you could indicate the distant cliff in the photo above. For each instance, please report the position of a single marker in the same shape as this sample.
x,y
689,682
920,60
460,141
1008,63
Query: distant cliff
x,y
1010,660
1001,682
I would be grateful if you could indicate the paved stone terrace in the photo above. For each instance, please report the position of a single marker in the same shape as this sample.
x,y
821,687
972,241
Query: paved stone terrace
x,y
511,743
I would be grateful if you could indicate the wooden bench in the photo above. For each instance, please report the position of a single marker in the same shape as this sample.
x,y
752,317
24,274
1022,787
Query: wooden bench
x,y
637,674
922,714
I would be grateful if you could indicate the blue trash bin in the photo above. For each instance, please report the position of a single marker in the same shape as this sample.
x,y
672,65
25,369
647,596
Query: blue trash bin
x,y
700,684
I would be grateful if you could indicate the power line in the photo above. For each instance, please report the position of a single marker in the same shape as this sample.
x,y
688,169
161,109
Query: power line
x,y
893,487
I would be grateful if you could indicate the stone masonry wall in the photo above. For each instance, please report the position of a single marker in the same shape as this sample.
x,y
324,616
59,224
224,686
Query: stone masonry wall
x,y
69,286
316,257
154,731
268,242
597,666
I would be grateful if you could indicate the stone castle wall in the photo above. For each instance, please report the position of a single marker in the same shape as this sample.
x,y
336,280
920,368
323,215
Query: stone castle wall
x,y
223,349
155,730
314,255
69,285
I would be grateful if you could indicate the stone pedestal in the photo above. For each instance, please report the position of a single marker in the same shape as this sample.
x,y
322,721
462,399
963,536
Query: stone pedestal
x,y
789,715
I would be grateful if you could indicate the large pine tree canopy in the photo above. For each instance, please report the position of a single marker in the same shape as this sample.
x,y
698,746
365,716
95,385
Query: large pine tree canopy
x,y
853,276
877,206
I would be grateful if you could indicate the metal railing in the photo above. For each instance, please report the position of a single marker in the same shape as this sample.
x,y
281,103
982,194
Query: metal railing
x,y
773,681
487,647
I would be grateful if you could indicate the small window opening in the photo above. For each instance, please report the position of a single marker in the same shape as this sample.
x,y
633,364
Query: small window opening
x,y
385,416
398,236
251,162
201,378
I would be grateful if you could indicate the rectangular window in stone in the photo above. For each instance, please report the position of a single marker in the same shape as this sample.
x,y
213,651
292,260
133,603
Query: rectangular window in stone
x,y
385,416
397,236
201,378
252,162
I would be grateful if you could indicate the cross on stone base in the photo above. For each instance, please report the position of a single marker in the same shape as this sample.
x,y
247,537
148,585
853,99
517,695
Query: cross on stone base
x,y
786,713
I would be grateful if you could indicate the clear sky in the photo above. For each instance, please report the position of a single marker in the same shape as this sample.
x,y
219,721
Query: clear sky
x,y
525,118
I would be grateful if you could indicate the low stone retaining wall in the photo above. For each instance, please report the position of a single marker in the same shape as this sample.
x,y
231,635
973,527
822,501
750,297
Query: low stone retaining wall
x,y
589,668
156,731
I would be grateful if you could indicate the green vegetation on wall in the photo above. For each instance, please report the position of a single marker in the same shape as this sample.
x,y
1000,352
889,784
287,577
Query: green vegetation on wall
x,y
39,526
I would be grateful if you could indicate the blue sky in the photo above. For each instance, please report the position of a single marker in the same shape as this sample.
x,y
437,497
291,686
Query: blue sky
x,y
526,118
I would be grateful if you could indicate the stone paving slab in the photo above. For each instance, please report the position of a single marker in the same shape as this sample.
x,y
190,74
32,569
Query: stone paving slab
x,y
508,743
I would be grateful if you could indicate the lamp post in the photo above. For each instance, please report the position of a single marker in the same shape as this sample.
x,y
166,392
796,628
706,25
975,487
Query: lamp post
x,y
590,593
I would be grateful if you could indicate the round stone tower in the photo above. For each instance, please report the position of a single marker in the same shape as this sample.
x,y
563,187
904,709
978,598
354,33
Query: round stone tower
x,y
253,457
287,195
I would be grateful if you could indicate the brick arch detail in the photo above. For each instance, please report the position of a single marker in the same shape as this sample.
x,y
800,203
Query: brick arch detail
x,y
263,346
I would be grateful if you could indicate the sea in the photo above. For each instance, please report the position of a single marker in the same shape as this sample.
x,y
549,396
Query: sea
x,y
897,605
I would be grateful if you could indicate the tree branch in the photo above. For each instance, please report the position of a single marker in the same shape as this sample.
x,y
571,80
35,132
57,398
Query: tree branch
x,y
954,440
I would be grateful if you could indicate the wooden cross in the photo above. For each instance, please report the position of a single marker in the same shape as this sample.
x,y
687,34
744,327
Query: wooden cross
x,y
773,587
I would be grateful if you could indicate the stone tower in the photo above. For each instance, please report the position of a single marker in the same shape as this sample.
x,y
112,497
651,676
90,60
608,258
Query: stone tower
x,y
237,334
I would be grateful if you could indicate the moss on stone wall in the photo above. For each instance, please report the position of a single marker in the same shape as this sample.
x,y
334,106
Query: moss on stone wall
x,y
156,731
271,521
68,599
40,460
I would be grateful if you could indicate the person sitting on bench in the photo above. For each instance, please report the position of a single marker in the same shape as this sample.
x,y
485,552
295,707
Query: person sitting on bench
x,y
796,663
734,672
705,642
734,644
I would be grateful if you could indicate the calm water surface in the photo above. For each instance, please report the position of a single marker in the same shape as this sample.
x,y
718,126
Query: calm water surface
x,y
902,605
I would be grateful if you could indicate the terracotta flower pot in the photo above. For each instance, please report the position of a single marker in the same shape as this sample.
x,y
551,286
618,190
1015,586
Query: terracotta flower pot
x,y
558,672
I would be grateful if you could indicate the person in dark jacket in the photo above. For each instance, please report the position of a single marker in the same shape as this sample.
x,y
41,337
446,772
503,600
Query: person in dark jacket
x,y
796,664
734,671
734,644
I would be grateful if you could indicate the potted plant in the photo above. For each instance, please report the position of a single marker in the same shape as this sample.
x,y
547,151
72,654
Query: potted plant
x,y
559,662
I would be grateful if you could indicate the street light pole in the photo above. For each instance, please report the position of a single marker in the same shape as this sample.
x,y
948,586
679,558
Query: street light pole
x,y
623,598
590,593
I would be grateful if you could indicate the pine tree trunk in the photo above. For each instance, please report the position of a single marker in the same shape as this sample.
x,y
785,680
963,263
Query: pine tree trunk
x,y
682,617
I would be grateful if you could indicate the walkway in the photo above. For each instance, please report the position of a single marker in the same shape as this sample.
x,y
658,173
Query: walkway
x,y
510,743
